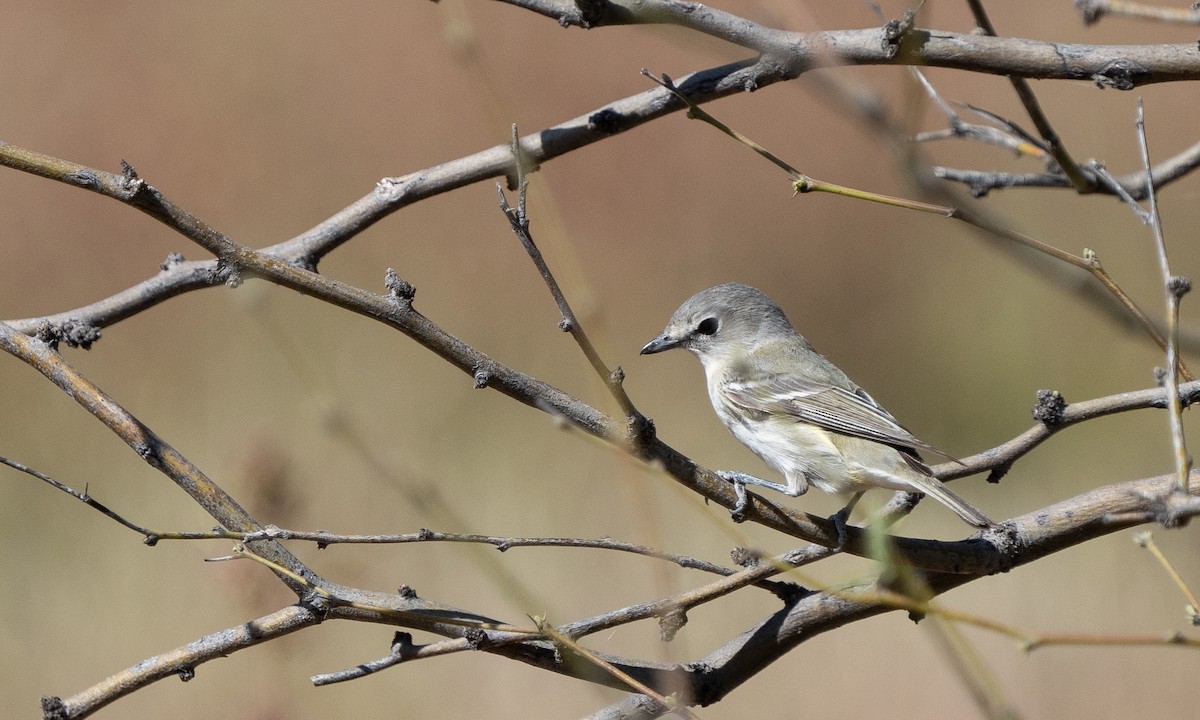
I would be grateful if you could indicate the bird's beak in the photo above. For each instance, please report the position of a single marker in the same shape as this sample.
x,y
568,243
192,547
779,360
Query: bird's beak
x,y
660,343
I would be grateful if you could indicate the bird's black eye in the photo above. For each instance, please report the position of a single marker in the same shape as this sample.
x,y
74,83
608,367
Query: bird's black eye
x,y
707,326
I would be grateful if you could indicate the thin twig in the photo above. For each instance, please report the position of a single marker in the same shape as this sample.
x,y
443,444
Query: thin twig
x,y
397,312
519,220
588,655
402,650
150,446
681,602
1012,136
1146,540
330,596
1174,289
1133,184
1108,180
1077,412
1054,143
803,183
83,497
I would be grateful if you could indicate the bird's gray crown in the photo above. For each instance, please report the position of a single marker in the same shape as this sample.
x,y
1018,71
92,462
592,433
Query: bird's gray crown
x,y
730,314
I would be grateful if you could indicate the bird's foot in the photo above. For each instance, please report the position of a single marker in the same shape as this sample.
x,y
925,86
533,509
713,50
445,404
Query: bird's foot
x,y
840,520
738,480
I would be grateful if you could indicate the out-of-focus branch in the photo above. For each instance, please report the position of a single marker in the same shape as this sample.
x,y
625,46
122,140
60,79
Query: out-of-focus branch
x,y
1093,10
1119,66
1133,183
518,220
802,183
144,441
1134,64
396,311
1054,143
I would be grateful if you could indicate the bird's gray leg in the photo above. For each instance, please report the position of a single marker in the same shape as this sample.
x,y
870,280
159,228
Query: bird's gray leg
x,y
839,519
741,480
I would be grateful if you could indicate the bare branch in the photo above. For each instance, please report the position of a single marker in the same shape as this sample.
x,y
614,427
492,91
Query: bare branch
x,y
81,496
805,613
1174,289
519,221
1063,417
144,441
182,661
1146,540
716,675
1133,184
802,183
1054,143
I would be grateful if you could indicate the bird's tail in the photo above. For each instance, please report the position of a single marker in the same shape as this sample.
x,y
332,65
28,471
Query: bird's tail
x,y
968,512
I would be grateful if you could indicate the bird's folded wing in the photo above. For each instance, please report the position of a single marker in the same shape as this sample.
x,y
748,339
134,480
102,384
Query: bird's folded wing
x,y
833,408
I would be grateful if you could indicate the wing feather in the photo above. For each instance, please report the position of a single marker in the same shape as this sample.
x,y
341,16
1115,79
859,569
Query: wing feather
x,y
849,412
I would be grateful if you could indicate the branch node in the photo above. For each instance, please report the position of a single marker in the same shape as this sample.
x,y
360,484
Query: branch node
x,y
670,623
895,31
398,288
131,185
1000,471
607,121
228,273
1179,286
406,592
1118,74
745,557
1092,10
402,644
790,593
390,189
482,377
591,14
75,333
1160,379
53,708
172,260
1174,509
477,638
641,431
185,672
1050,407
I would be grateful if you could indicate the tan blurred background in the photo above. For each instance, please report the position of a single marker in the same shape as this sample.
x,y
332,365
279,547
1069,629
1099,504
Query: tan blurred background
x,y
265,118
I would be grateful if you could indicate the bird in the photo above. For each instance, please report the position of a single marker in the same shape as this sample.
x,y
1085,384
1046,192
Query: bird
x,y
794,408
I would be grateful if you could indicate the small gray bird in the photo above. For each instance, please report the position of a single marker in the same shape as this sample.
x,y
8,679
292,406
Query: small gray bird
x,y
795,409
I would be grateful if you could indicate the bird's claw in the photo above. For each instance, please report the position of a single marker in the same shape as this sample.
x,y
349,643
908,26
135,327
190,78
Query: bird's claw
x,y
839,519
738,513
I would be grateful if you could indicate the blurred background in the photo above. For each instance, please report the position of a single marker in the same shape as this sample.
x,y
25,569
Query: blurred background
x,y
265,118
